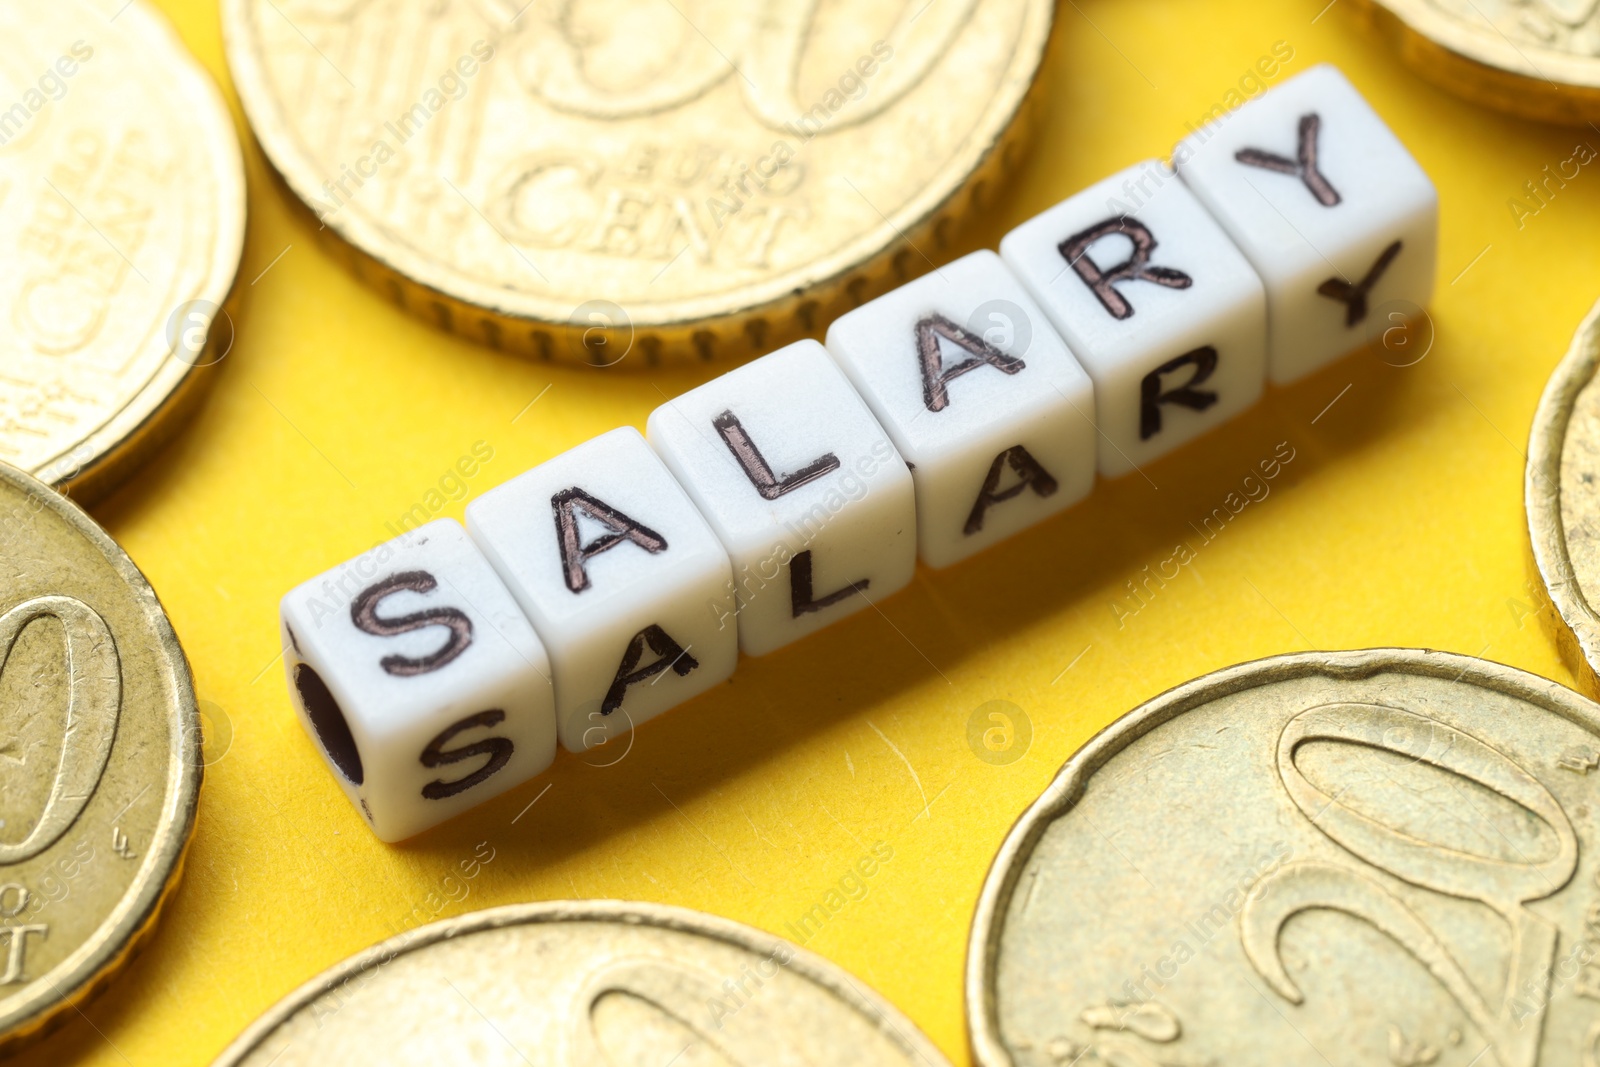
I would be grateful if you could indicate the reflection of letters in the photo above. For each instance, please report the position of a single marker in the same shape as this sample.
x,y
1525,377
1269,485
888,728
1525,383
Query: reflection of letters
x,y
1506,888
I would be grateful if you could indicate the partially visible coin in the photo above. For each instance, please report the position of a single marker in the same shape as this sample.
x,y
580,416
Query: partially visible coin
x,y
122,211
99,756
716,177
585,984
1324,859
1536,58
1562,492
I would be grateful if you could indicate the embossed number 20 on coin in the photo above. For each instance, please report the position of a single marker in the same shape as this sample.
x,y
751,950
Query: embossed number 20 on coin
x,y
1339,858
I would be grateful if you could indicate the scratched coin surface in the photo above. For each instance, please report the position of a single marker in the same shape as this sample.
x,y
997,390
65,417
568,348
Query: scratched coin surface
x,y
122,212
1562,492
595,179
585,984
99,755
1535,58
1331,859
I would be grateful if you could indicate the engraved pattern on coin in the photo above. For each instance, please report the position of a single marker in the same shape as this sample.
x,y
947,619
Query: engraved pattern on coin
x,y
616,984
122,192
1568,25
1331,858
504,162
99,756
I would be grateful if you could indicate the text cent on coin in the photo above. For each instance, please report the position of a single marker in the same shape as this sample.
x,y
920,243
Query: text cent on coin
x,y
1340,858
123,196
1562,493
584,983
1535,58
99,765
582,180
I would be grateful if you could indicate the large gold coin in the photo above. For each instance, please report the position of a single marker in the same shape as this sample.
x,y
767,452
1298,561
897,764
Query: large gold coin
x,y
583,984
1329,860
1535,58
99,755
1563,499
122,212
585,179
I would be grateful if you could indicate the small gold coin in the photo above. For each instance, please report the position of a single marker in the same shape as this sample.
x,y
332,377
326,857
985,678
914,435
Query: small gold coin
x,y
593,179
587,983
1536,58
122,212
1563,499
99,755
1330,859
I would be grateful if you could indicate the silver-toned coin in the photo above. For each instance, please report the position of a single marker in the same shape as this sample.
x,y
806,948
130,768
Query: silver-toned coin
x,y
1378,857
585,984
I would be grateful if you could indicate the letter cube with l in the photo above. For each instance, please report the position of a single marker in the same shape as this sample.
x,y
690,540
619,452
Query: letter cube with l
x,y
420,680
801,484
980,396
1339,220
1165,314
623,580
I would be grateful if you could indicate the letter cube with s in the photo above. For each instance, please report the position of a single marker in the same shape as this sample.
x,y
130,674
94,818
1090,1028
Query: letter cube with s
x,y
419,679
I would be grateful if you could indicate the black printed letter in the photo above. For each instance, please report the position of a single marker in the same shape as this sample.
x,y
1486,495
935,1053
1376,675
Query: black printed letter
x,y
364,613
1026,467
1136,268
1354,297
1151,396
498,749
668,652
1304,167
574,554
934,377
800,600
755,465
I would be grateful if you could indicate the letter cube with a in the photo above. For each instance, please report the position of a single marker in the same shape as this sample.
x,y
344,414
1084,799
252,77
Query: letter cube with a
x,y
1339,220
982,398
1165,314
419,679
801,484
623,579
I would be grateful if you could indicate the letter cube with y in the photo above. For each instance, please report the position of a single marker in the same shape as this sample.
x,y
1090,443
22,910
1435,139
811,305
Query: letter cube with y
x,y
418,677
980,396
623,580
1166,315
801,484
1339,220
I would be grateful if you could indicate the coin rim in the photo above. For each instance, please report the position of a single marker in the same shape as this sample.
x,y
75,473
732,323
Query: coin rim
x,y
114,941
124,439
832,979
817,279
988,923
1576,625
1556,86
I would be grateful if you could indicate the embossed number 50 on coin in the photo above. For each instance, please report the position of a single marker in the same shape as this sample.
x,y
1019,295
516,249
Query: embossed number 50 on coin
x,y
723,174
1383,857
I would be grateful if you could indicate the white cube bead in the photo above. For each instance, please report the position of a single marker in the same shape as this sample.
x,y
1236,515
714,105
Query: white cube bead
x,y
981,397
802,485
419,678
623,580
1338,218
1165,314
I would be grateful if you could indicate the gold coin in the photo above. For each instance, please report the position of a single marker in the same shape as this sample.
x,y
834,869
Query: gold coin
x,y
1536,58
1325,859
99,755
1563,498
122,210
597,178
586,983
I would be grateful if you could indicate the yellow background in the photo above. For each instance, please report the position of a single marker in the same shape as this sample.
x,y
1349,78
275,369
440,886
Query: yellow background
x,y
1399,522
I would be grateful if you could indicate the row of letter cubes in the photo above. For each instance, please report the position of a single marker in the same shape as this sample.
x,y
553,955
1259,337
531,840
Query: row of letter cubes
x,y
625,576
